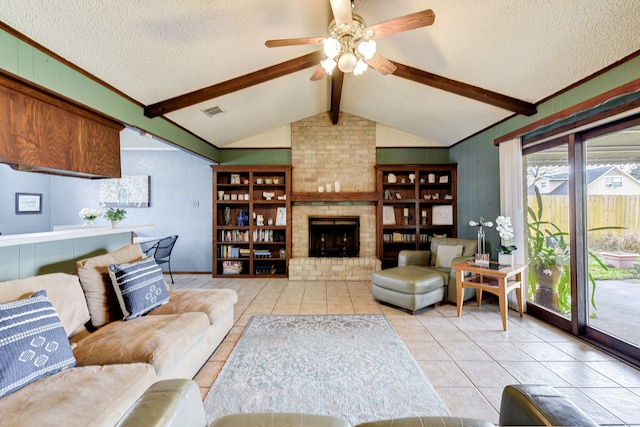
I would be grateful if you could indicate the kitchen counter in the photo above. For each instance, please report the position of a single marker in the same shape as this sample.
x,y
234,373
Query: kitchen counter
x,y
65,232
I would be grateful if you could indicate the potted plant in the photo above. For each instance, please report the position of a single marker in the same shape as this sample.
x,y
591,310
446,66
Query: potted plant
x,y
115,216
505,230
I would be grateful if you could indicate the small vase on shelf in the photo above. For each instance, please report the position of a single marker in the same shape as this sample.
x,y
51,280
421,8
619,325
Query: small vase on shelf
x,y
89,222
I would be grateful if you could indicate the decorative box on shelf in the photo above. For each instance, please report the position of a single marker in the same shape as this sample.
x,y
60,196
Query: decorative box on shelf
x,y
231,267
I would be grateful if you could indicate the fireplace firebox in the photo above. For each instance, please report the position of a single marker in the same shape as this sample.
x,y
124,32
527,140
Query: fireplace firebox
x,y
334,237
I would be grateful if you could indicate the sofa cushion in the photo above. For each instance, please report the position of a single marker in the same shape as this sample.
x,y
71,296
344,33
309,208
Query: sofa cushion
x,y
78,397
96,284
33,343
446,254
213,302
63,290
469,247
139,287
157,340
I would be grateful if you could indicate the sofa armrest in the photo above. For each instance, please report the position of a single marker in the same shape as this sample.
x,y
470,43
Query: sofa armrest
x,y
167,403
407,257
452,272
539,405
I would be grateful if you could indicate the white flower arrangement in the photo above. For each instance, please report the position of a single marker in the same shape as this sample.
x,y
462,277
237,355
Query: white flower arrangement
x,y
89,214
505,230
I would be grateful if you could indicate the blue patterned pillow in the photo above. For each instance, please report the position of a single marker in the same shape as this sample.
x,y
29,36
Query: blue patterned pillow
x,y
139,286
33,343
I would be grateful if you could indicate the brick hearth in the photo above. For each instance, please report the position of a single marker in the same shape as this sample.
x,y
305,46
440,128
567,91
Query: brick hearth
x,y
322,153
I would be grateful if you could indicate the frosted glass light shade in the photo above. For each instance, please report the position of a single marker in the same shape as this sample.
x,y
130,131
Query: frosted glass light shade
x,y
328,64
347,62
331,47
360,68
367,49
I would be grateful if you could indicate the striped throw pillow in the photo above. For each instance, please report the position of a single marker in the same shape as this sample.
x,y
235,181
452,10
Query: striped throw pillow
x,y
33,343
139,286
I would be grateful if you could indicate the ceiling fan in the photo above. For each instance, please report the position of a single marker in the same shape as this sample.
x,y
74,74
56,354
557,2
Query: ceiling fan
x,y
351,44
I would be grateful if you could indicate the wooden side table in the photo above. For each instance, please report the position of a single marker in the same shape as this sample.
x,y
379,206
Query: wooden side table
x,y
495,278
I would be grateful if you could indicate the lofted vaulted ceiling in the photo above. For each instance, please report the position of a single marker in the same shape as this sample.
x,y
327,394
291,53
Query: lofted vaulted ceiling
x,y
518,51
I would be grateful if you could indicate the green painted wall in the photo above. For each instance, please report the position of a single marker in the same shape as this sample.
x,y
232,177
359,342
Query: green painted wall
x,y
400,156
230,156
23,60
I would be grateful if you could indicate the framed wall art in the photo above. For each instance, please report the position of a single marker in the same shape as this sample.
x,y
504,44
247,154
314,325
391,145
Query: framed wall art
x,y
130,191
28,203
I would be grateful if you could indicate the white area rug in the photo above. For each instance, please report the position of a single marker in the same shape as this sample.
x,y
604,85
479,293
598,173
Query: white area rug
x,y
352,366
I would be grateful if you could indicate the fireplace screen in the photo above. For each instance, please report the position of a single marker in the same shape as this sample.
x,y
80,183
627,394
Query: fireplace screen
x,y
334,237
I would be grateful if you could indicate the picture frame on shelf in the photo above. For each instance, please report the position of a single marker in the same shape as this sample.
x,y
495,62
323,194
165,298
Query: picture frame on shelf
x,y
442,215
398,195
444,179
281,216
235,178
388,215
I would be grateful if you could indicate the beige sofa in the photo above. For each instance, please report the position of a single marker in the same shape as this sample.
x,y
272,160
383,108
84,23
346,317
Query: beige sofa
x,y
116,360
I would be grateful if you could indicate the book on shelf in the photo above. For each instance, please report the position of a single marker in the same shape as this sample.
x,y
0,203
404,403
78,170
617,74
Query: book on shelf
x,y
234,235
229,251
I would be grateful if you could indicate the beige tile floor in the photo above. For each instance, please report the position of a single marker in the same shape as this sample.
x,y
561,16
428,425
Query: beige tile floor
x,y
468,359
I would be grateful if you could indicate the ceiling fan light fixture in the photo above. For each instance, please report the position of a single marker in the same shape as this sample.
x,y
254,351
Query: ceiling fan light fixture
x,y
360,68
331,47
347,62
367,49
329,65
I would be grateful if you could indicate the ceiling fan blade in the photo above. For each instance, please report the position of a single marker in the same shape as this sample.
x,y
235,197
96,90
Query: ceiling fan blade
x,y
403,23
341,11
381,64
293,42
318,74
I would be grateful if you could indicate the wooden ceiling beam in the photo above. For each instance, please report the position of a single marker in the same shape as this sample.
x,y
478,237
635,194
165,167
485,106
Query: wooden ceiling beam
x,y
464,89
336,95
233,85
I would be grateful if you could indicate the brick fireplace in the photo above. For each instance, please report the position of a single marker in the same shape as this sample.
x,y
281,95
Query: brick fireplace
x,y
321,154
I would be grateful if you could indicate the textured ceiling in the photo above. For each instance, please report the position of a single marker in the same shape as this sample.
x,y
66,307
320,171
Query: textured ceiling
x,y
153,50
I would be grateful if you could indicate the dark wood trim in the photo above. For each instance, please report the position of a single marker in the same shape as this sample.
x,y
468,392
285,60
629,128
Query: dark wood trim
x,y
625,89
463,89
233,85
336,95
335,197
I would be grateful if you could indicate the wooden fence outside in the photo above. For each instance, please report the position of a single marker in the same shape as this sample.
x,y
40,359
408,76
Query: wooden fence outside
x,y
602,211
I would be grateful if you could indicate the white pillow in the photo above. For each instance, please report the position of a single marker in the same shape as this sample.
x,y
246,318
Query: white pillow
x,y
446,254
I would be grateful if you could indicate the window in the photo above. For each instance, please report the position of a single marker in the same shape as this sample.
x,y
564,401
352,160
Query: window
x,y
613,181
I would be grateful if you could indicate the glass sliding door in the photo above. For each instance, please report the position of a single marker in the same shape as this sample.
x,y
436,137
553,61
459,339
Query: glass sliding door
x,y
613,236
583,233
548,235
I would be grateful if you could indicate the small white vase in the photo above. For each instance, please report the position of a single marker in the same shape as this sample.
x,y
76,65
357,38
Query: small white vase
x,y
89,222
505,259
115,224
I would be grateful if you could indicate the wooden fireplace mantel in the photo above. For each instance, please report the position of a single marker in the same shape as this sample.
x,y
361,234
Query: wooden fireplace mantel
x,y
335,197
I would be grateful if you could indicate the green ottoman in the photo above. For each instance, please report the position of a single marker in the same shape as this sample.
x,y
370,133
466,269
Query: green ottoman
x,y
408,287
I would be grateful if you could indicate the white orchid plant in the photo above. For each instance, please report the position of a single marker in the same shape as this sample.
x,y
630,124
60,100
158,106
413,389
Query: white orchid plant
x,y
505,230
89,214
